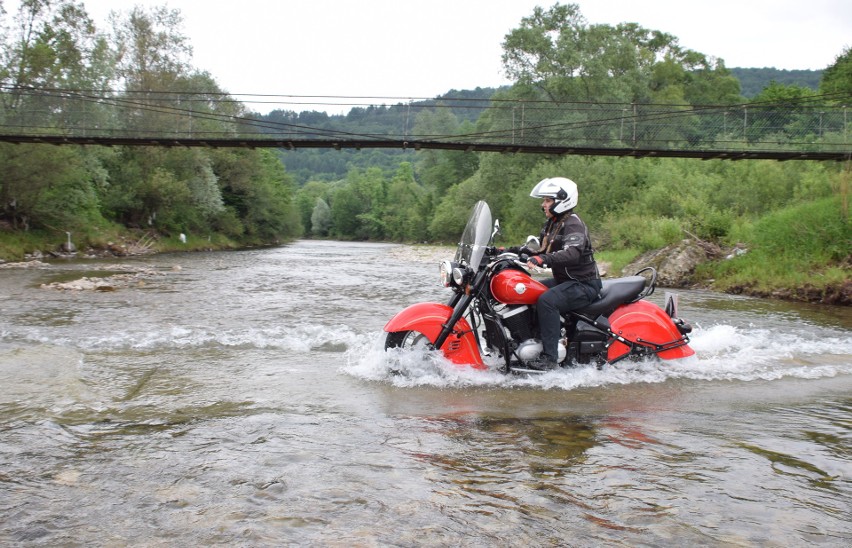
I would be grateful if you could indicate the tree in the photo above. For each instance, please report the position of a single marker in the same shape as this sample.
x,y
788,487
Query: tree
x,y
837,78
42,187
781,110
269,212
439,169
52,44
358,206
321,218
306,201
404,218
152,57
556,52
152,52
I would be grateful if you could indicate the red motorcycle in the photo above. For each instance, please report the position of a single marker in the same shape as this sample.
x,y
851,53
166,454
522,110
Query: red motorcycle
x,y
492,313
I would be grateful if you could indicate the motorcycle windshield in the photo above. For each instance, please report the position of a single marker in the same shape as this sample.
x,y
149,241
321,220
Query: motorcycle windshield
x,y
476,235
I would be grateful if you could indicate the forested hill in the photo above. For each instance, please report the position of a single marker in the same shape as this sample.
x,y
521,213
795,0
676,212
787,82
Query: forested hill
x,y
754,80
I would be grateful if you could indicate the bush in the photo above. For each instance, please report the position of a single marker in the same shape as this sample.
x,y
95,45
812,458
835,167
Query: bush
x,y
810,233
799,246
642,233
712,225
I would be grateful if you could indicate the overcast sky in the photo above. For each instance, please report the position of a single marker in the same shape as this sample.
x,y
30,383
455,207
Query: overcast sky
x,y
399,48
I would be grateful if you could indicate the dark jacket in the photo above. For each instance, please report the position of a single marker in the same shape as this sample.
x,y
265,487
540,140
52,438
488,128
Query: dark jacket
x,y
567,249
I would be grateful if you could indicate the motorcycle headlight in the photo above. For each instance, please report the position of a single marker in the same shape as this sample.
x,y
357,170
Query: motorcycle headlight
x,y
459,275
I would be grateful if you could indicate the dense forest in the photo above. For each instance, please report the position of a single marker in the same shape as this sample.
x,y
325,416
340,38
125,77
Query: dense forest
x,y
754,80
792,216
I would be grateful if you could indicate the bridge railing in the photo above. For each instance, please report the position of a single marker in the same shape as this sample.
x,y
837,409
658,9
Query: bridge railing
x,y
740,127
27,114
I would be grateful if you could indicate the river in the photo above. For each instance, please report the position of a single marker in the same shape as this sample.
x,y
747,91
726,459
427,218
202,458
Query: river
x,y
244,398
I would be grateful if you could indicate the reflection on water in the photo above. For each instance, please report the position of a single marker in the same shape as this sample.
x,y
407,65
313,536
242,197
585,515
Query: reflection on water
x,y
548,442
244,399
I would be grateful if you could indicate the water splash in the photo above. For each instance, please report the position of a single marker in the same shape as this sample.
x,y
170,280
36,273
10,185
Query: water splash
x,y
723,352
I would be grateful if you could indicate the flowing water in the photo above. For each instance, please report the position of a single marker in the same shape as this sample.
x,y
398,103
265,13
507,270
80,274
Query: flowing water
x,y
244,398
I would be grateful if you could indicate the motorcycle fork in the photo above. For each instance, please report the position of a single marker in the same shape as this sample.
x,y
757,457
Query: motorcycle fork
x,y
462,303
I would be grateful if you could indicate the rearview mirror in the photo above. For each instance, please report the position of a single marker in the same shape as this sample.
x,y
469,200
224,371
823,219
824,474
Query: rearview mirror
x,y
533,244
496,230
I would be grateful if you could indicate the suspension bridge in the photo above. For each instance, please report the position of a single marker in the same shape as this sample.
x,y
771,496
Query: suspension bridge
x,y
816,129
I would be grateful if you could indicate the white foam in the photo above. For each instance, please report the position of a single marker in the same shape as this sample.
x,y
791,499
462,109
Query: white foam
x,y
722,352
301,338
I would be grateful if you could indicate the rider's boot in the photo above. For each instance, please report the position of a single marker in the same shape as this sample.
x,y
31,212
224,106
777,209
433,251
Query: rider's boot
x,y
544,363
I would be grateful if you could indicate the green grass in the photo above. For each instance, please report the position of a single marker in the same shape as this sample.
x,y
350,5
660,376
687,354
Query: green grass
x,y
15,245
803,246
616,259
760,273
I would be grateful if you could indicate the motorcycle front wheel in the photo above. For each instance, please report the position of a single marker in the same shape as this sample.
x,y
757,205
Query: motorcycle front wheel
x,y
407,340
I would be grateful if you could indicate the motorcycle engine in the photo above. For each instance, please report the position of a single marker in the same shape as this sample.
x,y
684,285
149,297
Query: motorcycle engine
x,y
531,349
518,319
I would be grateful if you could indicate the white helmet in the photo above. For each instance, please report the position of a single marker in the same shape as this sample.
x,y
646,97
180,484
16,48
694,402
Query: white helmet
x,y
561,189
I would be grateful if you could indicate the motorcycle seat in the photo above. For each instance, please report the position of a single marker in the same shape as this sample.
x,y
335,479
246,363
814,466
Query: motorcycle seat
x,y
613,293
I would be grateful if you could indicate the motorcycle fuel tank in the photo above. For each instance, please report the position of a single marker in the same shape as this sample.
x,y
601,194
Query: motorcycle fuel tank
x,y
516,287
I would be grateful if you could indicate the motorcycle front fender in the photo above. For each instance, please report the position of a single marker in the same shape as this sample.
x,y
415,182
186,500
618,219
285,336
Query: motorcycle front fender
x,y
429,318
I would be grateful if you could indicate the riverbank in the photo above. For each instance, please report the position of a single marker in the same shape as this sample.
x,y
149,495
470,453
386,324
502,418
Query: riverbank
x,y
116,243
680,266
677,266
739,270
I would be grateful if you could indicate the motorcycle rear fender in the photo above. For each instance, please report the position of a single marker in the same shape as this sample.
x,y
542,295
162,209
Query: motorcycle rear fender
x,y
429,318
644,322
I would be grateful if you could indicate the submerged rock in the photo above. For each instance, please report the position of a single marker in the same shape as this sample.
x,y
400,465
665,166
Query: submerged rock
x,y
135,277
24,264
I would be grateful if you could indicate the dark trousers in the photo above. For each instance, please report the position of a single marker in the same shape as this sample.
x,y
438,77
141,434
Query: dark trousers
x,y
558,300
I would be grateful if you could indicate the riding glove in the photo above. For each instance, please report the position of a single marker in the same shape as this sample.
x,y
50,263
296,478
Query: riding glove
x,y
538,260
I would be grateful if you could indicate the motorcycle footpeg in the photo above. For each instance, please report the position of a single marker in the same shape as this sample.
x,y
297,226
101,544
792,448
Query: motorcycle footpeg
x,y
522,370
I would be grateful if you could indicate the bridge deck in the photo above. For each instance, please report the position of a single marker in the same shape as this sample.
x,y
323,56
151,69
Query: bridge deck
x,y
358,144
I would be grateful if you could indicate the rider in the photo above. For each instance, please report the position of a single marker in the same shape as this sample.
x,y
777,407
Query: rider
x,y
566,249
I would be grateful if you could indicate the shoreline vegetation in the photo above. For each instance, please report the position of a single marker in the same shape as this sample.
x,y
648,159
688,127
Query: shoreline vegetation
x,y
687,265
